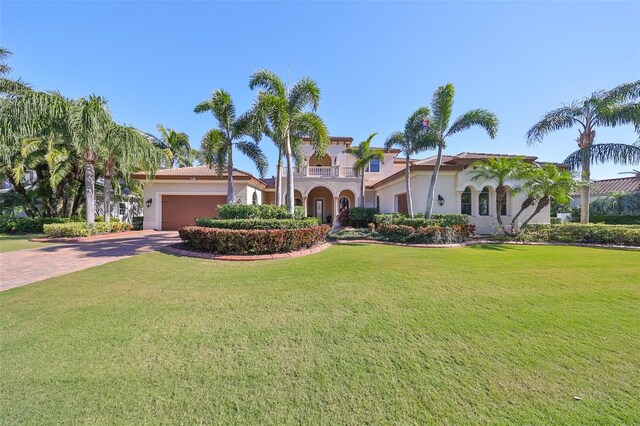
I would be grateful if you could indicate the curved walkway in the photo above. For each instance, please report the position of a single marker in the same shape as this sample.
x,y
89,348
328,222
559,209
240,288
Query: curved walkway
x,y
21,267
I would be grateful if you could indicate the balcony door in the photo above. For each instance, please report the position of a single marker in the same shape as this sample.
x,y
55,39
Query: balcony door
x,y
318,210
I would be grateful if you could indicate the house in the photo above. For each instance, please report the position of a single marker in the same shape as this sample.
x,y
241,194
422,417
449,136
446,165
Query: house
x,y
604,188
324,186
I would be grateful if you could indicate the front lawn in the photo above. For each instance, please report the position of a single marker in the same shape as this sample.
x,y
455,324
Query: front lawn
x,y
354,334
18,242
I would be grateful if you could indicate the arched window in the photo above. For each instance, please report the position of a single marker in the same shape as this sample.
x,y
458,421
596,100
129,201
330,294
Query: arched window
x,y
297,202
465,201
254,198
502,206
344,203
483,202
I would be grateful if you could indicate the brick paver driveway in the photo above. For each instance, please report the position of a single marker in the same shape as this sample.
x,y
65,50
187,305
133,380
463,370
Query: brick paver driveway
x,y
21,267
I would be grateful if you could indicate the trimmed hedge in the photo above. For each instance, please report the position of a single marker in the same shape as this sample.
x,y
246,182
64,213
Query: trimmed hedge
x,y
26,225
254,241
419,221
209,222
257,211
360,217
80,229
615,219
137,223
624,235
425,235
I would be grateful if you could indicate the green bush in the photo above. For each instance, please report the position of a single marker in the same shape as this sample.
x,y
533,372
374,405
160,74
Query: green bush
x,y
451,219
360,217
254,241
209,222
257,211
419,221
81,229
352,234
426,234
556,221
624,235
26,225
137,223
615,219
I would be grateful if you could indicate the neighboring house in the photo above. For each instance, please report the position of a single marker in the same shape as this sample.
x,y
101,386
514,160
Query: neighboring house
x,y
603,188
324,186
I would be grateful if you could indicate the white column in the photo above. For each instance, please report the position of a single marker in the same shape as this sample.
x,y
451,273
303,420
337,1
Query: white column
x,y
475,210
304,206
458,206
492,203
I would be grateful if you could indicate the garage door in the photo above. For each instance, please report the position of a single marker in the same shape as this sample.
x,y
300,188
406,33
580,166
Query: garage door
x,y
182,210
402,204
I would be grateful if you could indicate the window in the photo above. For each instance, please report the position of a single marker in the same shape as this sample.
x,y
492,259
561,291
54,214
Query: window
x,y
483,202
465,201
373,167
344,203
123,209
254,198
502,206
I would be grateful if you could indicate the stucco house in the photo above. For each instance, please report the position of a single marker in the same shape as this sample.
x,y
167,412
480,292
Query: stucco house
x,y
605,187
324,186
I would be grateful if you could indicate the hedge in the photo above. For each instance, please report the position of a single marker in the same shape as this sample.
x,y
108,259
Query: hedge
x,y
624,235
137,223
425,235
81,229
419,221
360,217
209,222
257,211
254,241
615,219
26,225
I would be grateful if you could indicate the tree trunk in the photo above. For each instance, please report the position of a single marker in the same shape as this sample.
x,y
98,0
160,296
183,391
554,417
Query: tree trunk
x,y
90,191
107,198
407,174
525,204
362,189
584,189
77,200
279,179
290,205
501,193
432,187
28,206
541,204
230,175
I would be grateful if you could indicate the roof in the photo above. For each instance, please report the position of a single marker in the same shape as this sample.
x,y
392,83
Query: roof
x,y
338,139
607,186
198,173
450,162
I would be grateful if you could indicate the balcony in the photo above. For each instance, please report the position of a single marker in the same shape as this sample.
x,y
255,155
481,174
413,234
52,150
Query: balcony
x,y
326,172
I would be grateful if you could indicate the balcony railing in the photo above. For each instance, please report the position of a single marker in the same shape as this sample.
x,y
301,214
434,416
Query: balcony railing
x,y
326,171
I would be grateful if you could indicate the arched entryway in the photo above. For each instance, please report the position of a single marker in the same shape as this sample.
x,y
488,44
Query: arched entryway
x,y
346,199
320,204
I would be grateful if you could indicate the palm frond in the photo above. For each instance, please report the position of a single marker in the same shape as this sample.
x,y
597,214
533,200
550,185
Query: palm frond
x,y
564,117
252,151
617,115
396,139
476,117
623,93
305,92
441,108
310,124
617,153
214,149
269,81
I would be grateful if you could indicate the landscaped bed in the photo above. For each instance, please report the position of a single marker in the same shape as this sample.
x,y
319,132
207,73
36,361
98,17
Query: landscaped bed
x,y
356,334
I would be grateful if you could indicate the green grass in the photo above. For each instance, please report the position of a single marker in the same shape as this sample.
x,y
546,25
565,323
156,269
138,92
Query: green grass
x,y
18,242
355,334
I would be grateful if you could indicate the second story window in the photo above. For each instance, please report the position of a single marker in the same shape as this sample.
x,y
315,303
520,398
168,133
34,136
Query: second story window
x,y
374,166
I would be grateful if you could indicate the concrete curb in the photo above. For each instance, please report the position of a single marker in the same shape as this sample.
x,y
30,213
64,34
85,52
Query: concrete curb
x,y
243,258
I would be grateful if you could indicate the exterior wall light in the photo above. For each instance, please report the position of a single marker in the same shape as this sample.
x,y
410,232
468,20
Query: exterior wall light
x,y
148,203
440,200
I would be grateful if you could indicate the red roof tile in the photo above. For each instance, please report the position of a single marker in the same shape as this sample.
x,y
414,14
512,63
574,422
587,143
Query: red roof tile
x,y
197,172
607,186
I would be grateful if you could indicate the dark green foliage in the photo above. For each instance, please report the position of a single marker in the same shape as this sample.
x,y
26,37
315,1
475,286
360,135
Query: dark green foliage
x,y
26,225
425,235
360,217
256,211
624,235
208,222
615,219
81,229
420,221
137,223
352,234
255,241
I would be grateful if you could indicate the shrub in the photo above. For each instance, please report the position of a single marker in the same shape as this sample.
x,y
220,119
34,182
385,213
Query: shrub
x,y
360,217
426,234
419,220
626,235
451,219
615,219
252,211
387,218
81,229
255,241
556,221
352,234
343,218
208,222
26,225
137,223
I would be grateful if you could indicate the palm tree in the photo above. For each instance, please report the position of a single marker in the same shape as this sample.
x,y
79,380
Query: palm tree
x,y
364,155
178,144
127,149
441,107
500,170
217,144
9,86
549,182
415,139
605,108
292,115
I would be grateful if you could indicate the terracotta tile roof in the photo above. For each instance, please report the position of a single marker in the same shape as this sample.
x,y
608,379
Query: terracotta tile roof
x,y
270,182
197,172
607,186
344,139
482,155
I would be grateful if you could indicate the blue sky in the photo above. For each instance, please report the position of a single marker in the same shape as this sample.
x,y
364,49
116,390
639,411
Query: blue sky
x,y
375,62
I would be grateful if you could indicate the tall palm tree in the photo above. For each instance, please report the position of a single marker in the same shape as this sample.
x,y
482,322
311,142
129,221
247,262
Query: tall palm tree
x,y
364,155
127,149
292,115
441,108
178,144
605,108
500,170
415,139
549,183
9,86
217,144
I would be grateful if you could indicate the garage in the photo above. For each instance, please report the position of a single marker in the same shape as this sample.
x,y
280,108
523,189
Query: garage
x,y
182,210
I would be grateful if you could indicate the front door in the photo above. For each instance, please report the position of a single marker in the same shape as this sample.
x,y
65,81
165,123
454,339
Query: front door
x,y
319,209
